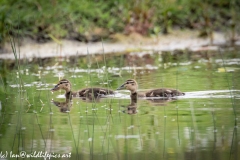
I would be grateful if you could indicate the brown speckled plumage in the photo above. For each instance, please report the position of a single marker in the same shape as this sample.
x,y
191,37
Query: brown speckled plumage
x,y
94,92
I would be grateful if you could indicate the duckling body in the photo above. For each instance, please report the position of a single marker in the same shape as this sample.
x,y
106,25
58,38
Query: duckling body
x,y
163,92
94,92
132,86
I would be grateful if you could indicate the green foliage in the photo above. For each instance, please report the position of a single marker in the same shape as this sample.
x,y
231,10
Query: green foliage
x,y
72,18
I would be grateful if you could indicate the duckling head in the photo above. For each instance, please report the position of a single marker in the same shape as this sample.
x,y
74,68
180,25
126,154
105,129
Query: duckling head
x,y
62,84
130,85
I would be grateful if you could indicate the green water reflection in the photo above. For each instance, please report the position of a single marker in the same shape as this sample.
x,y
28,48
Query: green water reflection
x,y
200,125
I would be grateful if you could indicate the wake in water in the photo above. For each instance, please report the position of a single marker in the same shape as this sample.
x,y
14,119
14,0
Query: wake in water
x,y
213,94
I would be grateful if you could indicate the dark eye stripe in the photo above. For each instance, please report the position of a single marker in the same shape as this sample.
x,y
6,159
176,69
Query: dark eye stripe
x,y
130,82
61,82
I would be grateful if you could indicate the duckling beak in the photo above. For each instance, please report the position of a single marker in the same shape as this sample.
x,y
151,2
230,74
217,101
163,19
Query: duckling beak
x,y
55,88
121,87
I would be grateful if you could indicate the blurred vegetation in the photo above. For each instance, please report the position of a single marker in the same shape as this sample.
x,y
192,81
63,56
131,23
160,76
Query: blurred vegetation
x,y
93,20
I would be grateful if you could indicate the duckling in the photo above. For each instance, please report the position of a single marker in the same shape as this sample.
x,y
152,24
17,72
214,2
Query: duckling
x,y
65,84
132,86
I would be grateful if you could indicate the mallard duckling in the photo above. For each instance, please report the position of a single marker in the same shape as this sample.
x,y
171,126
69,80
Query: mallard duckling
x,y
65,84
132,86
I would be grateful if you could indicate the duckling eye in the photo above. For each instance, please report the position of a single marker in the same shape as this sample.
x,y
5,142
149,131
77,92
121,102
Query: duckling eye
x,y
127,83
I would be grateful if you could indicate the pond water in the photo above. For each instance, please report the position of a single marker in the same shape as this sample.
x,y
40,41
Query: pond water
x,y
203,124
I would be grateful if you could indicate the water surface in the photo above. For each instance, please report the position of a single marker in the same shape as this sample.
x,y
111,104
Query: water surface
x,y
203,124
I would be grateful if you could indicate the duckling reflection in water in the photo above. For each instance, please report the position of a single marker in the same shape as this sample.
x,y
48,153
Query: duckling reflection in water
x,y
63,106
89,93
166,93
132,107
